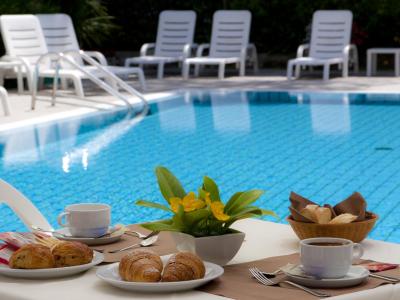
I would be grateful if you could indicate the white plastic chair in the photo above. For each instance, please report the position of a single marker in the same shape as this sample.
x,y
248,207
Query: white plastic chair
x,y
174,41
229,43
330,43
60,36
22,206
24,42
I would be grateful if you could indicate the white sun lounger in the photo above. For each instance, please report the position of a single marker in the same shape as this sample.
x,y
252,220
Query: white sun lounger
x,y
330,43
22,207
229,43
60,36
25,43
174,41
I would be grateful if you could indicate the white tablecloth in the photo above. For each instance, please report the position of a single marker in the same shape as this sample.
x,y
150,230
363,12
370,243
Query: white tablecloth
x,y
263,239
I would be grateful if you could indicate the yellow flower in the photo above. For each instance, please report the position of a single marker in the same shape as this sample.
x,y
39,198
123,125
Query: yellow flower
x,y
174,203
189,203
217,209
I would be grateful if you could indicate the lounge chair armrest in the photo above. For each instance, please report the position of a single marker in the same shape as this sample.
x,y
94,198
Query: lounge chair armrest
x,y
346,52
201,49
301,49
15,59
98,56
187,50
146,47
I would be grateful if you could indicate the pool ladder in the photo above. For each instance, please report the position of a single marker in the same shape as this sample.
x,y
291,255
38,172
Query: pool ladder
x,y
110,82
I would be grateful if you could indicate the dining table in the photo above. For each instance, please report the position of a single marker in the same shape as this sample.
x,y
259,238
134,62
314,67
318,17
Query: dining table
x,y
263,239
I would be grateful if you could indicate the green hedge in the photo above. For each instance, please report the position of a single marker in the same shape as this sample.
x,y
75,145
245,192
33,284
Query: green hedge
x,y
278,26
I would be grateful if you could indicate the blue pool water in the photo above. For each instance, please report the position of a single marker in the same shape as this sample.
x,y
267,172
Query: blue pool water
x,y
322,145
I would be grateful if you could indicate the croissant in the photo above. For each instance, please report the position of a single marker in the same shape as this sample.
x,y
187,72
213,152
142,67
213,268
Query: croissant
x,y
183,266
32,256
141,265
68,254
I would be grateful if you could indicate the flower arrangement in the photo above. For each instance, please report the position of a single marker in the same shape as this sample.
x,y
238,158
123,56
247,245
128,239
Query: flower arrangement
x,y
204,213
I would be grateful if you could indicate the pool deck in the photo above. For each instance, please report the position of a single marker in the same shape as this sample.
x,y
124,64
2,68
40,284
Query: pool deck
x,y
67,105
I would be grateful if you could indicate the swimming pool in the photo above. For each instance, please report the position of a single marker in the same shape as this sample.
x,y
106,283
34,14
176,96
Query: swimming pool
x,y
322,145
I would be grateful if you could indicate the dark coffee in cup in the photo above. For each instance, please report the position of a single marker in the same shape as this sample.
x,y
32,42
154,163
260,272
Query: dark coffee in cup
x,y
327,244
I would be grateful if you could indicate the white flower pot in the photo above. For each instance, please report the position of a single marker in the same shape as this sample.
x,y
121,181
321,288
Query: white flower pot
x,y
219,249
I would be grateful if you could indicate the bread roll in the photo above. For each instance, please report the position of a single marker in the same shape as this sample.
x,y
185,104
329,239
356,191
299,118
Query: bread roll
x,y
67,254
141,265
319,215
343,219
32,256
184,266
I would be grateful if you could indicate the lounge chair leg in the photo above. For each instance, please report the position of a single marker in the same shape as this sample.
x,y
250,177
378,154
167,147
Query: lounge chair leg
x,y
289,71
142,80
196,70
345,70
78,87
326,72
242,67
160,70
64,83
20,81
297,71
221,71
185,70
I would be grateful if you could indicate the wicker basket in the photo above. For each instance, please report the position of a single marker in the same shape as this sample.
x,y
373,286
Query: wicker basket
x,y
356,231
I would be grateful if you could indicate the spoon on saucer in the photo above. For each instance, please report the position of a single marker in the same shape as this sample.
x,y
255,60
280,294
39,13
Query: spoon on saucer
x,y
145,243
52,231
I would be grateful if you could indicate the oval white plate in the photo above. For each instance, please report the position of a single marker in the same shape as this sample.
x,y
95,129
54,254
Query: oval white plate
x,y
110,274
51,273
65,235
356,275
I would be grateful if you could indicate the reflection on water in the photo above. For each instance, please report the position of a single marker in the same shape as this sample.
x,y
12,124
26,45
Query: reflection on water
x,y
185,122
230,112
330,119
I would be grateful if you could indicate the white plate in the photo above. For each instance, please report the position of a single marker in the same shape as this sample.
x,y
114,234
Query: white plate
x,y
356,275
110,274
66,236
50,273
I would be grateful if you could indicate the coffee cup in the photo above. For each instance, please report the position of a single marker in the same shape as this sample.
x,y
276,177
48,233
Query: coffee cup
x,y
328,257
86,219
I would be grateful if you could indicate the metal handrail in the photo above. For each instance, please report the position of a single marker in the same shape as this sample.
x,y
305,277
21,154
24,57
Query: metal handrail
x,y
59,57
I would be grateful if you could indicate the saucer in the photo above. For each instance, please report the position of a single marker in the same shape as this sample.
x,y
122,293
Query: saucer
x,y
355,276
64,234
109,273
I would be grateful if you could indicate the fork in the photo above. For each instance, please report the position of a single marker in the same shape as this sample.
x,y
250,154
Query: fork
x,y
257,274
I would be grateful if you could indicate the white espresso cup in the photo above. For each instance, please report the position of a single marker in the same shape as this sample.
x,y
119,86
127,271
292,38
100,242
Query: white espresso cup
x,y
86,219
328,257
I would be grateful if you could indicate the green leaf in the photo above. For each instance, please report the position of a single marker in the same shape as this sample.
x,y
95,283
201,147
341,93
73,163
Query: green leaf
x,y
244,200
169,185
195,216
152,205
165,225
202,193
232,201
268,213
249,209
210,186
